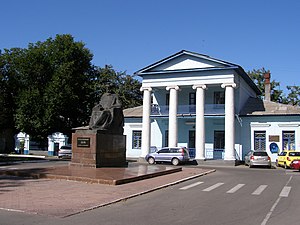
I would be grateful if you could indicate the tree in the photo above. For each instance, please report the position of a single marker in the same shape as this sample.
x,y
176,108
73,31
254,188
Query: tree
x,y
6,103
53,79
126,86
293,97
8,89
257,75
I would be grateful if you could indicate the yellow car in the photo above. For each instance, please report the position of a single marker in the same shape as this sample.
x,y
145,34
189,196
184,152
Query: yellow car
x,y
286,157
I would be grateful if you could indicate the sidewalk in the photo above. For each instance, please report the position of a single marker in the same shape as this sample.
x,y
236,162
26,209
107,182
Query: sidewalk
x,y
62,198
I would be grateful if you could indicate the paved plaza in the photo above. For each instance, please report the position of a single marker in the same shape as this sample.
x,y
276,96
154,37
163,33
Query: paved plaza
x,y
61,196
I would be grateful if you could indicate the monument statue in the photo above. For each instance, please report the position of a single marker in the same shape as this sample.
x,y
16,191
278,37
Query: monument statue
x,y
102,143
107,115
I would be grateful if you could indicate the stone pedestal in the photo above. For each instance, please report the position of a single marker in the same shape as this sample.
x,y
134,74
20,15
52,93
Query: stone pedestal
x,y
93,148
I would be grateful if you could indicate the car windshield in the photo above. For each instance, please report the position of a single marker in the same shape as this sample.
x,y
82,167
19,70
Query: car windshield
x,y
294,154
260,153
65,147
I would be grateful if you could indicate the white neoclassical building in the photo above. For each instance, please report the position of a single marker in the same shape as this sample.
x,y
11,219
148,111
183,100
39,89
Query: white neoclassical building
x,y
210,106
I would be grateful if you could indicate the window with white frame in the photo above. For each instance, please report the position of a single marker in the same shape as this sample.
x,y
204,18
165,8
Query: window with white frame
x,y
288,140
260,140
137,139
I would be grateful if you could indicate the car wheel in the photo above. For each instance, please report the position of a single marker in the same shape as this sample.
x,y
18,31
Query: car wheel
x,y
175,161
151,160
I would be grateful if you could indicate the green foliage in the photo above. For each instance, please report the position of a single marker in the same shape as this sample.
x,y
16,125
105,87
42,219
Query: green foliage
x,y
52,85
8,87
293,97
125,86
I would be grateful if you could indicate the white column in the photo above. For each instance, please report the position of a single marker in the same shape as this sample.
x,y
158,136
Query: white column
x,y
50,145
146,130
229,121
26,144
200,123
173,134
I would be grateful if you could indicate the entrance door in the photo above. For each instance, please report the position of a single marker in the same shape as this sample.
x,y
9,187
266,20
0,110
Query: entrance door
x,y
192,143
219,144
56,148
191,139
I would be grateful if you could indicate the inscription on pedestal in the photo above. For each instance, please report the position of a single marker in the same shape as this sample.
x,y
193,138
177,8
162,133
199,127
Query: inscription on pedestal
x,y
83,142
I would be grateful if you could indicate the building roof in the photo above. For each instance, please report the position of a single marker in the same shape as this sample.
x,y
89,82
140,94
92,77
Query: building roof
x,y
183,52
215,64
259,107
253,107
135,112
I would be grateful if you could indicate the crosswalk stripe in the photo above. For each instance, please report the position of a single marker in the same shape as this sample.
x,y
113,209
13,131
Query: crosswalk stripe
x,y
259,190
213,187
285,191
191,185
236,188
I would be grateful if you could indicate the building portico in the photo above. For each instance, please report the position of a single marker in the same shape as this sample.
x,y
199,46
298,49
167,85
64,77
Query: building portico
x,y
195,113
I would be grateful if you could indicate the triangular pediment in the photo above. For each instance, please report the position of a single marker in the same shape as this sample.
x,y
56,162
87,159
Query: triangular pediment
x,y
184,60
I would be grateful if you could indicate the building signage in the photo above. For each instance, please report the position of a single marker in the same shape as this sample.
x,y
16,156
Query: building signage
x,y
83,142
273,138
274,148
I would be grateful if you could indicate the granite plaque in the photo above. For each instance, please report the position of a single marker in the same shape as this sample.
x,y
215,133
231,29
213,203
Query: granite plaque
x,y
83,142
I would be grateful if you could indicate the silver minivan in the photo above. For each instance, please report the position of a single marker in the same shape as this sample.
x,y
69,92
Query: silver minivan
x,y
174,155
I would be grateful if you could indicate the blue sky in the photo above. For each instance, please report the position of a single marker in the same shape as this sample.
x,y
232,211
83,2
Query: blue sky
x,y
131,34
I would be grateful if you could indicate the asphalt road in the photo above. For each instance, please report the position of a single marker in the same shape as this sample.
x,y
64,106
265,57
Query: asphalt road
x,y
232,196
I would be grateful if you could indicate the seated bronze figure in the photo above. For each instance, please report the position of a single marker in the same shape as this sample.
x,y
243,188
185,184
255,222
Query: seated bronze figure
x,y
107,116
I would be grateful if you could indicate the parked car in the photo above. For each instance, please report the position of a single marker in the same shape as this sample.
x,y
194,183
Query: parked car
x,y
295,164
65,151
174,155
286,157
258,158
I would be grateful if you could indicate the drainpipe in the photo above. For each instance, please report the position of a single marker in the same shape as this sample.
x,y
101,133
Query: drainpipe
x,y
267,86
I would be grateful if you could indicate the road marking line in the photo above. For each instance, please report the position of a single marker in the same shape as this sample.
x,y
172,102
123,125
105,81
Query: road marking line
x,y
285,191
265,221
236,188
259,190
293,173
12,210
191,185
213,187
